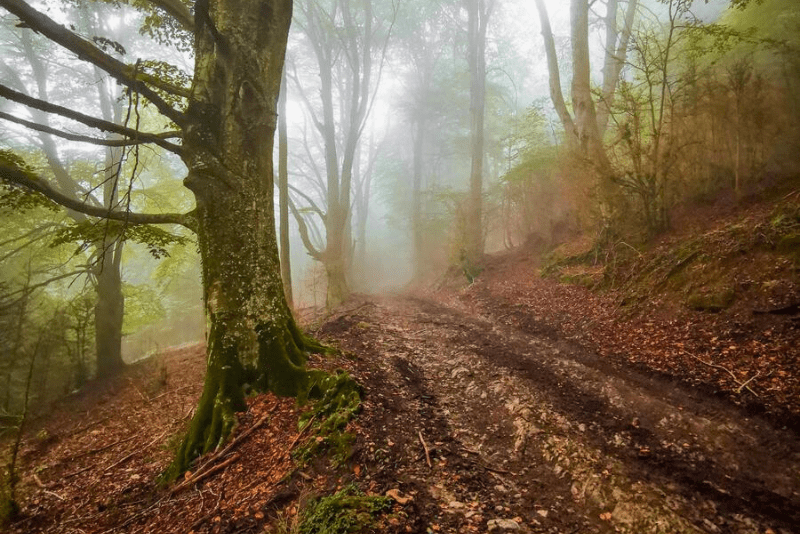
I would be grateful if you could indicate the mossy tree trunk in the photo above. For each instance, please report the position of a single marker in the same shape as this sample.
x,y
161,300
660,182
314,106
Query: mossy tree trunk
x,y
252,336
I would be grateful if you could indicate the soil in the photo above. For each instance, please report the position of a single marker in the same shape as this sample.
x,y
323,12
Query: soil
x,y
490,408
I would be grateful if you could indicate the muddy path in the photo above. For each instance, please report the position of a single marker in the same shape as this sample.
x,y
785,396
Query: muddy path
x,y
527,432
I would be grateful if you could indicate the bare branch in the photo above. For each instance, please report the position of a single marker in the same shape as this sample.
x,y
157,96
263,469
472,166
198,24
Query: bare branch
x,y
128,75
100,124
82,138
310,200
301,223
14,175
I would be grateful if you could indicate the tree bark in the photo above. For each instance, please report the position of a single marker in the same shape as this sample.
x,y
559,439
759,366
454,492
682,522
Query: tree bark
x,y
478,20
616,52
556,95
252,336
586,130
283,194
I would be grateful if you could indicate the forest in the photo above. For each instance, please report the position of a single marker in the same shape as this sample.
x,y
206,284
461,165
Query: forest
x,y
330,266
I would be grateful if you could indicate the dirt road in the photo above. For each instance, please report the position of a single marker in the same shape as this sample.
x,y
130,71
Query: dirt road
x,y
531,434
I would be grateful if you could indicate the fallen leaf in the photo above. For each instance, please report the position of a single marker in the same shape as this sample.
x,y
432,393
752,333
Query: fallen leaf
x,y
398,497
605,516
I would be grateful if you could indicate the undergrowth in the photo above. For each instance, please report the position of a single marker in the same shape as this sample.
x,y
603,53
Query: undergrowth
x,y
339,400
698,268
346,511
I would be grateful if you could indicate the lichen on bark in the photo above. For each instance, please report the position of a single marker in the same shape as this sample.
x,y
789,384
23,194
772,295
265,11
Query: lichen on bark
x,y
252,340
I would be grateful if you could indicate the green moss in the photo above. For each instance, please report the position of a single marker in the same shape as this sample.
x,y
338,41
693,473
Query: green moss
x,y
711,299
582,279
338,400
347,511
790,245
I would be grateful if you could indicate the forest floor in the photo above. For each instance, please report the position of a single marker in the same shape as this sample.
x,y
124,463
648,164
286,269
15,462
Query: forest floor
x,y
517,404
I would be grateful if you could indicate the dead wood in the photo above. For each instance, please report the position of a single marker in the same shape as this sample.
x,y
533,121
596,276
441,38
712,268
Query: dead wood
x,y
425,447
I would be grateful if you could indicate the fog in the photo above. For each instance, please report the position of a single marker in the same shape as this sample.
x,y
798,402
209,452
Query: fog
x,y
384,154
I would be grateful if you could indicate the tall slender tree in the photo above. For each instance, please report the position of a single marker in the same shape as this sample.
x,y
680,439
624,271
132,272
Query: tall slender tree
x,y
479,12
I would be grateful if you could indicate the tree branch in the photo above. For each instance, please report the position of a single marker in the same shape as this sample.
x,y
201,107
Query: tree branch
x,y
82,138
301,223
126,74
16,176
310,200
100,124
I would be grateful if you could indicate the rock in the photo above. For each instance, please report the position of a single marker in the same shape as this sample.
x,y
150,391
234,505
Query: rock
x,y
502,524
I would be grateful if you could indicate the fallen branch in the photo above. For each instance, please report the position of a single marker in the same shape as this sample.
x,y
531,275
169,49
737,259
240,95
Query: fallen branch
x,y
297,438
100,449
133,452
205,474
238,439
205,470
171,391
425,447
742,385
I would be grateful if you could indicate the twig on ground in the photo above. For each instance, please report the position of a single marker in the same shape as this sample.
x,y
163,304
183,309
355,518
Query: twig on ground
x,y
207,516
297,438
206,470
238,439
171,391
425,447
44,488
142,395
205,474
133,453
100,449
742,385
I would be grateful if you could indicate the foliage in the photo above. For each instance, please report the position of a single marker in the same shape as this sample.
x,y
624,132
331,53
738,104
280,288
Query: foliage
x,y
143,306
89,233
346,511
16,198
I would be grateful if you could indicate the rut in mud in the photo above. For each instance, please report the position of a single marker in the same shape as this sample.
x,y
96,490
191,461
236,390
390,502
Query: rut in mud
x,y
530,433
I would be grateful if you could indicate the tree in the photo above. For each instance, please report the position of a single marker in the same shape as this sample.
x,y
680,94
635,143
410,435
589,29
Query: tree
x,y
228,120
105,272
585,126
348,43
479,12
283,193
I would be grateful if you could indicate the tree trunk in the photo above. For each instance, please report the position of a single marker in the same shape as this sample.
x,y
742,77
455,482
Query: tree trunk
x,y
109,312
616,52
586,130
478,20
252,336
416,197
556,95
110,307
283,193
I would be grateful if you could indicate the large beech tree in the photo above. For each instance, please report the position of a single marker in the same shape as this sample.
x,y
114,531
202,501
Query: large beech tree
x,y
227,130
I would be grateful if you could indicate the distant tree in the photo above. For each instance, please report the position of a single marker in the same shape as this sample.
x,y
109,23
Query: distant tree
x,y
479,12
348,43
